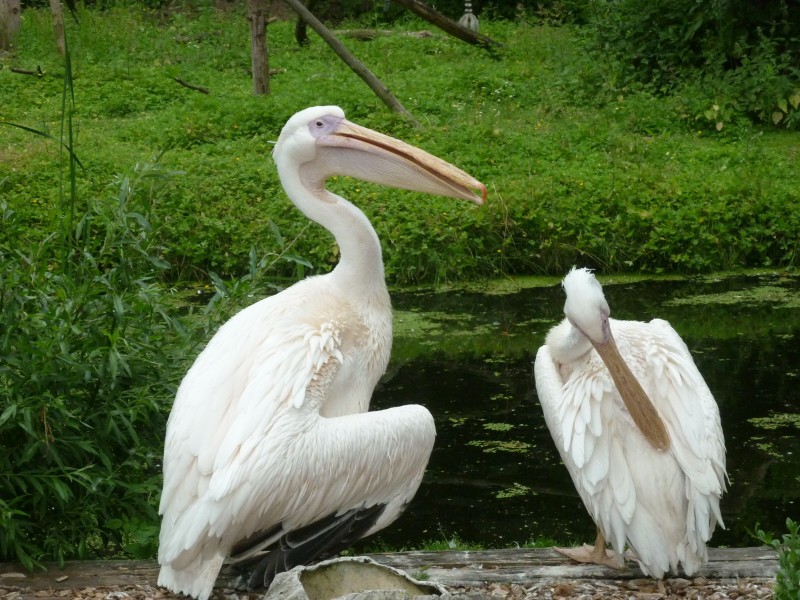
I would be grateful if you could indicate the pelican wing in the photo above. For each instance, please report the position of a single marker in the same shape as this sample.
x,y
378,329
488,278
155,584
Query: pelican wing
x,y
693,421
227,395
578,406
355,474
247,451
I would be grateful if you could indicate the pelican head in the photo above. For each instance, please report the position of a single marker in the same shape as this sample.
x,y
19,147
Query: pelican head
x,y
587,311
319,142
586,307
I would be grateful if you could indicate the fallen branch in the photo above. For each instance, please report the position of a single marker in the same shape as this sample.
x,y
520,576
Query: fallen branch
x,y
367,35
448,25
197,88
38,72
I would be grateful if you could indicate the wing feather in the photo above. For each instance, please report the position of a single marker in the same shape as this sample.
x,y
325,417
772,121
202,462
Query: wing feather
x,y
578,410
688,409
247,450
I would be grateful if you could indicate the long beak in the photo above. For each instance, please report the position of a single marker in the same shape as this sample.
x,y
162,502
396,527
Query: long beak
x,y
641,409
379,158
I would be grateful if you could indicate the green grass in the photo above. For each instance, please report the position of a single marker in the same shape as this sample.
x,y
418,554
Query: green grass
x,y
450,542
577,171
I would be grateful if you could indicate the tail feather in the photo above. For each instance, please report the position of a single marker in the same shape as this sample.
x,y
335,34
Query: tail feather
x,y
196,580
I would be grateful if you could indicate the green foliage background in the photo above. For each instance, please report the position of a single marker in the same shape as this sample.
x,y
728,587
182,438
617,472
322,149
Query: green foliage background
x,y
580,162
589,155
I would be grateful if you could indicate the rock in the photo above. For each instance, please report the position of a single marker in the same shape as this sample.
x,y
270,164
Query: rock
x,y
350,578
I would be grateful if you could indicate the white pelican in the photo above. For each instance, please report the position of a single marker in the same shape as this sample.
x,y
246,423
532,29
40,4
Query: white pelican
x,y
638,430
270,453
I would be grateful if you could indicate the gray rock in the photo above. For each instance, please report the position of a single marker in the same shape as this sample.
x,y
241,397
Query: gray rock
x,y
350,578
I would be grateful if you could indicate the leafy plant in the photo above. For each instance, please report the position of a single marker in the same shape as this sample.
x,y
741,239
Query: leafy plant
x,y
89,356
87,359
725,61
584,161
259,277
787,585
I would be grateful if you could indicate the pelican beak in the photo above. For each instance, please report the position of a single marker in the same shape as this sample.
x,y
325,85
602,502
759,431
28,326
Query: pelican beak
x,y
640,407
379,158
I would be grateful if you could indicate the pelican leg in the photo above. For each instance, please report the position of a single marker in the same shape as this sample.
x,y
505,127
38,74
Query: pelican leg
x,y
597,554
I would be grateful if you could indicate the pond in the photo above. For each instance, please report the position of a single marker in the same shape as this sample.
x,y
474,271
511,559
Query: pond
x,y
495,477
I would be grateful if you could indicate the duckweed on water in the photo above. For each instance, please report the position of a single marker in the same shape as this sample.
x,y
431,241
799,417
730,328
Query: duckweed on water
x,y
498,426
516,490
766,446
777,421
779,297
492,446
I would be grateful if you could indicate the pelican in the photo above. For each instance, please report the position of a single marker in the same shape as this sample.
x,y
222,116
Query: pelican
x,y
638,430
270,455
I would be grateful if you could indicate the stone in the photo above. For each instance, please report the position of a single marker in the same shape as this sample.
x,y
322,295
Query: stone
x,y
350,578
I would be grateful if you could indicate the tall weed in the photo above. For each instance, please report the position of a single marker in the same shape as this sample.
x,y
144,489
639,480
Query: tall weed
x,y
88,364
88,355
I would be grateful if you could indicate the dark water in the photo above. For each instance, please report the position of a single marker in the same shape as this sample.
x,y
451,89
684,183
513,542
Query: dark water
x,y
495,477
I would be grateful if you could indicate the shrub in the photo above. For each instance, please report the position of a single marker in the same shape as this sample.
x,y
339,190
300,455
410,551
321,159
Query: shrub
x,y
787,578
89,355
725,59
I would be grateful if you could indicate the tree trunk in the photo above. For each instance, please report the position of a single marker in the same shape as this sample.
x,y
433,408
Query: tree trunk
x,y
257,11
351,61
9,23
58,25
300,27
432,16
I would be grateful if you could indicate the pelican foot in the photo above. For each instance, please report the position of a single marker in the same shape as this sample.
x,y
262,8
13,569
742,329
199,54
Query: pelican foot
x,y
631,556
591,555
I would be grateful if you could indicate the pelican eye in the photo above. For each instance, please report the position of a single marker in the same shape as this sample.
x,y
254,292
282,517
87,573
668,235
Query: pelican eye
x,y
323,125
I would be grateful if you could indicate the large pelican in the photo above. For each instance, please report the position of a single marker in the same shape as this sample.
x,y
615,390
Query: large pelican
x,y
637,429
271,456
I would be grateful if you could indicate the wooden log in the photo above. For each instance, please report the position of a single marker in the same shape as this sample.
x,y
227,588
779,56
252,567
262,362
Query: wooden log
x,y
457,568
191,86
257,12
448,25
537,565
58,25
10,22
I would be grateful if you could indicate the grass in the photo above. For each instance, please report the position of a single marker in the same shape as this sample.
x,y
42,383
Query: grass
x,y
577,170
447,542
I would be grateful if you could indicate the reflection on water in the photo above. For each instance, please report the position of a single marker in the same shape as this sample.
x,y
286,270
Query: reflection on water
x,y
495,477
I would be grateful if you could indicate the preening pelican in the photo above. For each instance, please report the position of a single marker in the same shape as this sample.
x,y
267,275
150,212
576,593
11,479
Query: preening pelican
x,y
638,430
271,456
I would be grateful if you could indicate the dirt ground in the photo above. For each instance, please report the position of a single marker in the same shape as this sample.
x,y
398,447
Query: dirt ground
x,y
635,589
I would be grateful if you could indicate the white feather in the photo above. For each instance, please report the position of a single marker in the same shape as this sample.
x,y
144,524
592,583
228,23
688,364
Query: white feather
x,y
269,429
663,504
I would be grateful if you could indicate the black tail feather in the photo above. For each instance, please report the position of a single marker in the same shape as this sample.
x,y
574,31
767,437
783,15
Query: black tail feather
x,y
312,543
